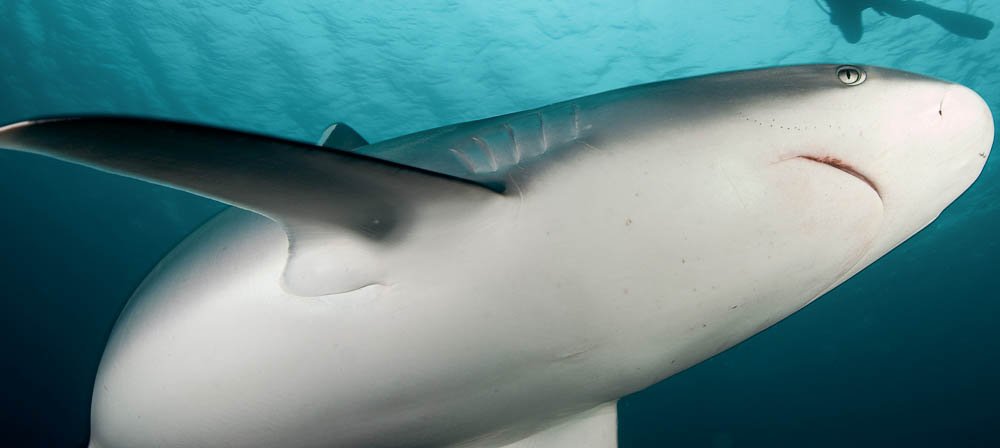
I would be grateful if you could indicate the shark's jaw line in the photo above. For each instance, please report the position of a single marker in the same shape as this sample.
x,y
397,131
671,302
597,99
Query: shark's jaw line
x,y
845,167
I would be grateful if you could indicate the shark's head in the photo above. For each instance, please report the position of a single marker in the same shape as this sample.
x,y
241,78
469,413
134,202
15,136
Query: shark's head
x,y
764,189
909,143
916,142
934,140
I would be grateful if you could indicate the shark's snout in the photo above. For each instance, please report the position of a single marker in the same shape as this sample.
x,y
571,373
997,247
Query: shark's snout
x,y
964,109
968,129
964,101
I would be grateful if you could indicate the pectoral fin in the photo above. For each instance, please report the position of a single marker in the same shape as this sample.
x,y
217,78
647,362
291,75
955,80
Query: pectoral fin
x,y
330,202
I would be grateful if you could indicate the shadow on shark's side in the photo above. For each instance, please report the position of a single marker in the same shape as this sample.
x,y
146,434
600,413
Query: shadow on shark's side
x,y
846,15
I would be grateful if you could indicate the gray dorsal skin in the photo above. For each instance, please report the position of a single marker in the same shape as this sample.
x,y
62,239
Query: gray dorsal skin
x,y
343,137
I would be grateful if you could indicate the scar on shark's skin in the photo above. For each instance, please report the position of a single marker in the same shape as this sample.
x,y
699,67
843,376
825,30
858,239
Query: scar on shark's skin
x,y
845,167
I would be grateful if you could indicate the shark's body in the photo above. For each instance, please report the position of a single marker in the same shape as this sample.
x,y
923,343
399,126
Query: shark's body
x,y
506,280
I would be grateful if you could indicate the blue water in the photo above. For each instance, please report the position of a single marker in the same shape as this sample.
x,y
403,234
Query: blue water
x,y
906,353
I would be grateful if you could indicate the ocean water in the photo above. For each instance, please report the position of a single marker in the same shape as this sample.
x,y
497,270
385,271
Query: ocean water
x,y
907,353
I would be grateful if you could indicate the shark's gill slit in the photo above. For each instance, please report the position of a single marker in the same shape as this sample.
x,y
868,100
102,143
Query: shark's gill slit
x,y
490,157
845,167
515,145
464,159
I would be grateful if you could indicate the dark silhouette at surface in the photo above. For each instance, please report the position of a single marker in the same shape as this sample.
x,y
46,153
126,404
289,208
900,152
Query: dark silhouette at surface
x,y
846,14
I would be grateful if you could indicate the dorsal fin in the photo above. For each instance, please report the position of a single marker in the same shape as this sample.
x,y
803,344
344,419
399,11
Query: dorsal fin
x,y
326,199
343,137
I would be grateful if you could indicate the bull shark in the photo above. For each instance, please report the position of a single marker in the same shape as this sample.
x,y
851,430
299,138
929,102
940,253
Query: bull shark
x,y
503,282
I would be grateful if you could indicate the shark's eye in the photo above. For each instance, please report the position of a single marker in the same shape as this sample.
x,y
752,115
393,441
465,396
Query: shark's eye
x,y
851,75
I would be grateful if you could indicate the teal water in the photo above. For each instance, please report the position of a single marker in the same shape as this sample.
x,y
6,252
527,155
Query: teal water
x,y
906,353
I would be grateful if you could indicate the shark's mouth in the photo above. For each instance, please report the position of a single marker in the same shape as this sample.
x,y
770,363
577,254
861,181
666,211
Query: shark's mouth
x,y
845,167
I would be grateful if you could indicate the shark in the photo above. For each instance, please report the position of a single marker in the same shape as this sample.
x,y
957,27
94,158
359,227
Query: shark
x,y
503,282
